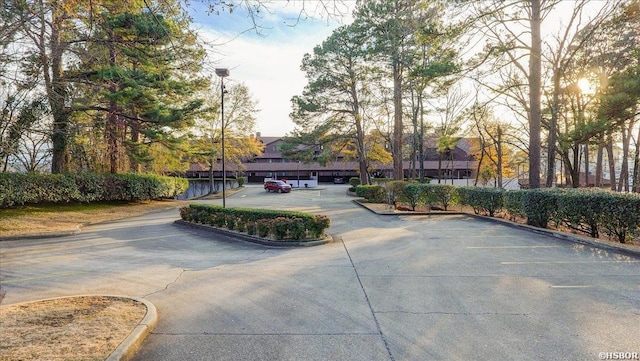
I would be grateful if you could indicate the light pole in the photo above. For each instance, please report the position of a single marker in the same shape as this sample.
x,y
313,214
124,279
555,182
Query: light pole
x,y
222,73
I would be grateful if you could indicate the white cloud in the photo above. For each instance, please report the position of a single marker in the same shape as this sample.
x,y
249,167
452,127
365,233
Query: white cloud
x,y
269,64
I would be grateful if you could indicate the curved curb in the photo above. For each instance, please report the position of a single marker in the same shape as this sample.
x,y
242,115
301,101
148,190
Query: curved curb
x,y
78,229
235,236
131,343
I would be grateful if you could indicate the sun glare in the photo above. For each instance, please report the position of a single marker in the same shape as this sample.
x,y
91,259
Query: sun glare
x,y
585,86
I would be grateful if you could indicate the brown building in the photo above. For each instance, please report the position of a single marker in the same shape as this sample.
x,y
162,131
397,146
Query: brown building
x,y
456,163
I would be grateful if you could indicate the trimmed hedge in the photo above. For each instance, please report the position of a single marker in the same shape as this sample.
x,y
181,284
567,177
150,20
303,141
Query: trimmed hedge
x,y
30,188
444,195
584,210
282,225
416,194
621,215
512,202
539,206
373,193
486,200
396,191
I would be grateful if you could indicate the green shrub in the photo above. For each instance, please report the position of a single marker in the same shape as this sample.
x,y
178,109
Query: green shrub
x,y
251,228
513,202
444,194
416,194
32,188
185,214
279,227
486,200
581,210
241,181
263,227
540,205
318,226
230,222
621,215
203,217
373,193
218,219
354,181
241,225
396,191
282,224
297,228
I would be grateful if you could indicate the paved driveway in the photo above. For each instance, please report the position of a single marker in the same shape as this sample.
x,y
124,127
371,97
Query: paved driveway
x,y
390,288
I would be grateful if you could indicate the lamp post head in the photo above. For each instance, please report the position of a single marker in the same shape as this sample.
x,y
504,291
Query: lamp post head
x,y
222,72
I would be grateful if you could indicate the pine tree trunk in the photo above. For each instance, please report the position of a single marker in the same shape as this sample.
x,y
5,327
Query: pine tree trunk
x,y
535,83
612,162
398,130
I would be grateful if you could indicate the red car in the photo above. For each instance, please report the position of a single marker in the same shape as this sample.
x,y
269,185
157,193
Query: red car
x,y
277,186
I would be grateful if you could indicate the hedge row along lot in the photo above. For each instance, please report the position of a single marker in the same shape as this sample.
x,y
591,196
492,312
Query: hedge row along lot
x,y
592,212
589,211
265,223
32,188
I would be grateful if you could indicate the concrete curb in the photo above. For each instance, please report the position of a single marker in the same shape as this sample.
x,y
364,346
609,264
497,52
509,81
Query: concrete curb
x,y
237,236
574,238
131,343
78,229
408,213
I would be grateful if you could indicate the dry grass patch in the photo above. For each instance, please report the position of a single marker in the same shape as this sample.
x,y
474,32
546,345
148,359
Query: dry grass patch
x,y
76,328
44,219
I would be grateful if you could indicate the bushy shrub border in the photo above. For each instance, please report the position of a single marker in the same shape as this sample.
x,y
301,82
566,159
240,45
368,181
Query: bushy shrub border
x,y
30,188
373,193
416,194
486,200
281,225
444,195
583,210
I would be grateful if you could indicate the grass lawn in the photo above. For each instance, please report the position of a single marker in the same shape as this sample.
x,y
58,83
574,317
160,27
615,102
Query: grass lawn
x,y
31,220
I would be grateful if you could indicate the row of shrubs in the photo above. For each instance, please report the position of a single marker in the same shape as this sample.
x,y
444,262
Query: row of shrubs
x,y
281,225
31,188
584,210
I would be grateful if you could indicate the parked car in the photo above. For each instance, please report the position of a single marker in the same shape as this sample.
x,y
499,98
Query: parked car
x,y
338,180
277,186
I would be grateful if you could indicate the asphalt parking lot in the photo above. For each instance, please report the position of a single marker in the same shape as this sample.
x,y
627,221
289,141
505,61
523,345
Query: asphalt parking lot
x,y
389,288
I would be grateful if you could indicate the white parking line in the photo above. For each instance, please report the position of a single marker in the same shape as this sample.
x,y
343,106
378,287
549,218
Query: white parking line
x,y
563,262
509,247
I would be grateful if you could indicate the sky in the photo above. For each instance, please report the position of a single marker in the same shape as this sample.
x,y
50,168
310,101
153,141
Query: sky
x,y
268,62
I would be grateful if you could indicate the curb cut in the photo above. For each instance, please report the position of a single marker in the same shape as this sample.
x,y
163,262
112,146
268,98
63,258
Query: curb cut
x,y
132,342
547,232
235,236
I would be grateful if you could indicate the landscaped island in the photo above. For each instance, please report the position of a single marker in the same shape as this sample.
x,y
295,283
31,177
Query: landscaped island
x,y
287,226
